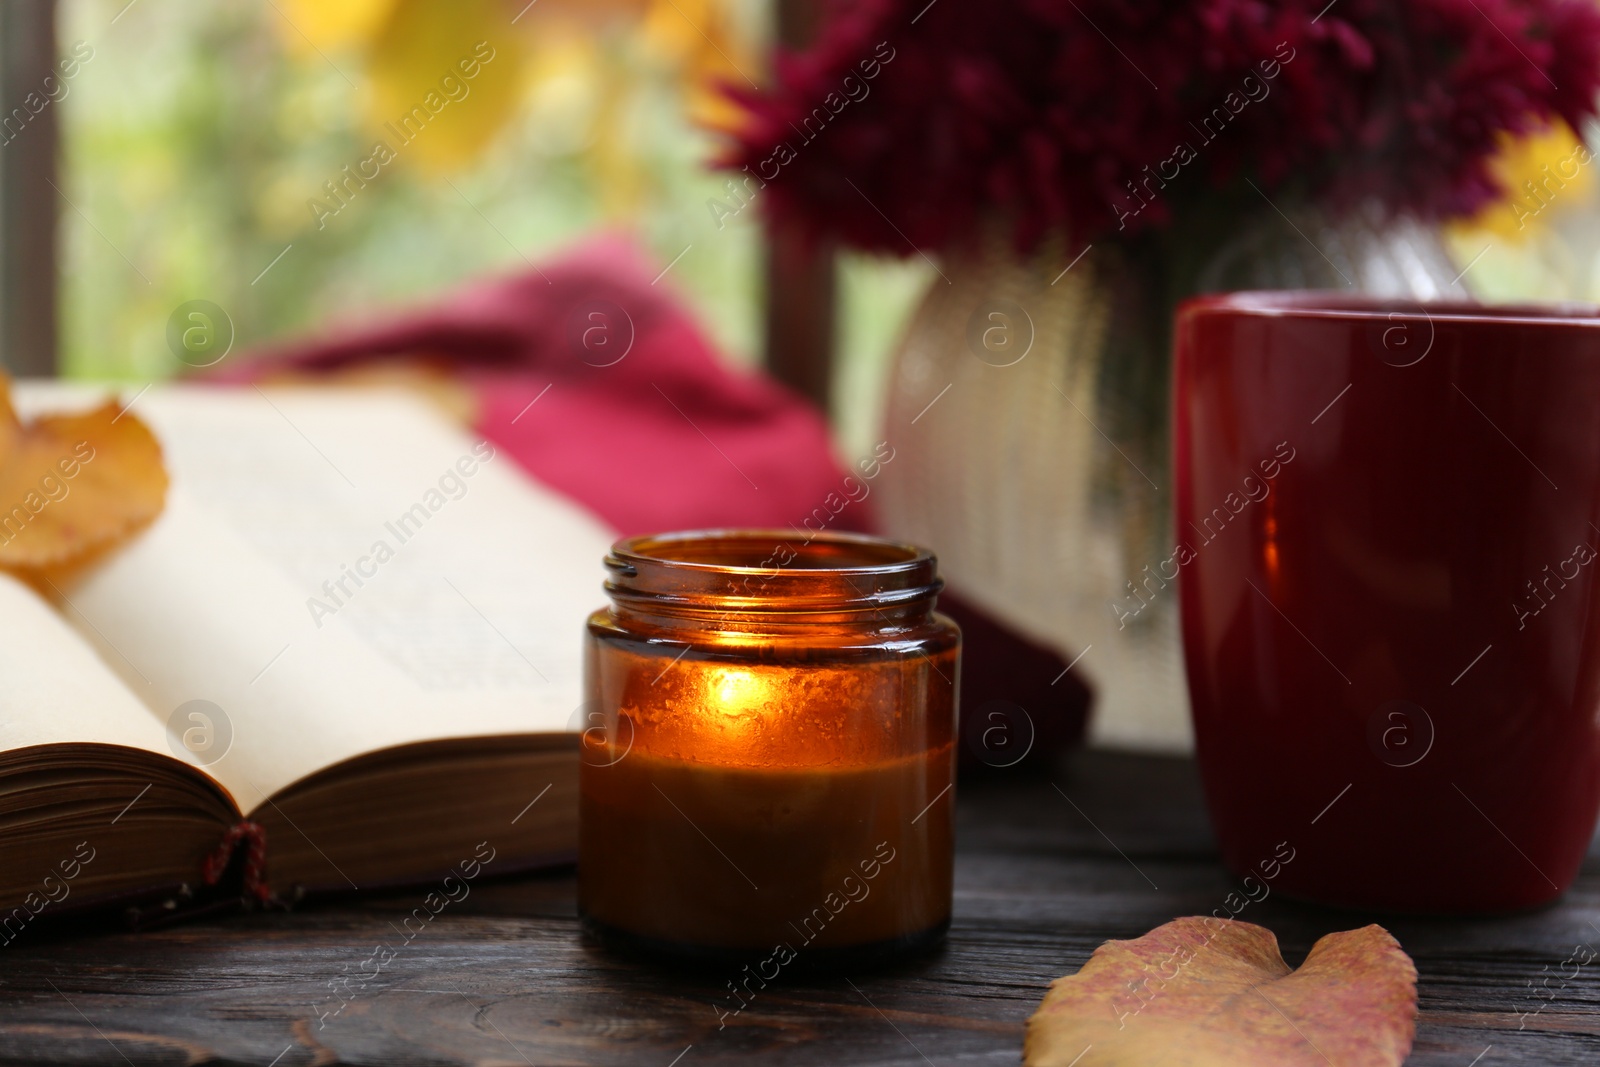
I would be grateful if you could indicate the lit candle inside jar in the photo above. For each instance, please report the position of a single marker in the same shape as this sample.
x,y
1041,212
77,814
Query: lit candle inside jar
x,y
770,754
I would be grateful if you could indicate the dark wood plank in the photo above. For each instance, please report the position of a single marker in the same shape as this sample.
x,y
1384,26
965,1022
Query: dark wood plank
x,y
505,977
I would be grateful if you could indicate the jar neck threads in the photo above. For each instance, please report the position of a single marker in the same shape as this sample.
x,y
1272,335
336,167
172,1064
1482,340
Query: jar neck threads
x,y
772,576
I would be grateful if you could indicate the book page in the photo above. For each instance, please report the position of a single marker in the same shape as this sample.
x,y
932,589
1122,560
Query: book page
x,y
56,690
340,571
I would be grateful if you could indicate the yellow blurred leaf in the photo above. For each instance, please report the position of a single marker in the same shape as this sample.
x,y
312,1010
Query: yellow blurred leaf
x,y
566,83
308,26
674,28
591,12
71,485
445,79
1544,175
699,38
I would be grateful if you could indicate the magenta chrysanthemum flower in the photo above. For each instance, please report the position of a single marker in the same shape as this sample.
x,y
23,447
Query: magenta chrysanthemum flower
x,y
910,125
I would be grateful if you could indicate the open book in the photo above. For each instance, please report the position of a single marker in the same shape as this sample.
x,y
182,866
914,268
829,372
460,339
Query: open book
x,y
347,654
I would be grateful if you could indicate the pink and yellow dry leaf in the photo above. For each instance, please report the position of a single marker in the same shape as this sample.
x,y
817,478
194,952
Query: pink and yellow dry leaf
x,y
1199,992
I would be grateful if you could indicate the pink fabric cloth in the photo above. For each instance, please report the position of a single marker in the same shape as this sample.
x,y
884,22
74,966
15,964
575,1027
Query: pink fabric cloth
x,y
602,385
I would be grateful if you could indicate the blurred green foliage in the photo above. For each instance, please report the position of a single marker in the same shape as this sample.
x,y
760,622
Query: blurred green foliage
x,y
194,140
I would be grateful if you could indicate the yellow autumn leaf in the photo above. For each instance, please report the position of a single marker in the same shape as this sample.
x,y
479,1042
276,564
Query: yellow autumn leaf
x,y
566,81
590,12
676,28
71,485
1544,175
445,79
699,38
310,26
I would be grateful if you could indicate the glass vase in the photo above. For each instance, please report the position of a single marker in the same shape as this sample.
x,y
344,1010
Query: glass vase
x,y
1028,405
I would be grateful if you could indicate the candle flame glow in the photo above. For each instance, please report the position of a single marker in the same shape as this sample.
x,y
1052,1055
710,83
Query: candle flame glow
x,y
734,692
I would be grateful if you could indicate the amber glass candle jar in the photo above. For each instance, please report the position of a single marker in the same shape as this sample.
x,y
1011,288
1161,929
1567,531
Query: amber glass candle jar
x,y
769,762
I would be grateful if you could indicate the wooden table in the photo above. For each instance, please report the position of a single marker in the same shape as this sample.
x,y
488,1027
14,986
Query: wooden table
x,y
504,977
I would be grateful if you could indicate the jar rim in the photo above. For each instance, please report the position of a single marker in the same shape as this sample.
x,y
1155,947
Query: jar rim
x,y
669,549
770,570
1339,305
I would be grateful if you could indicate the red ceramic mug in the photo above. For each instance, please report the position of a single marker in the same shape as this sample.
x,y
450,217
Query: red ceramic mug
x,y
1388,518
